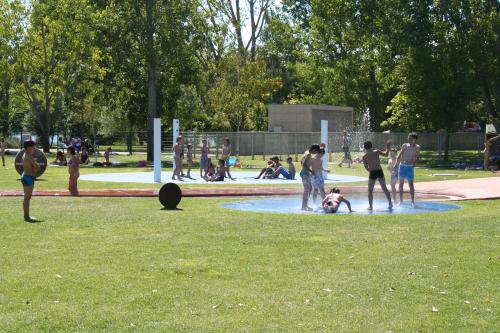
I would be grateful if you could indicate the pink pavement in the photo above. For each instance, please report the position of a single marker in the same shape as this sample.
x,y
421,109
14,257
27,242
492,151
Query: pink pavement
x,y
460,189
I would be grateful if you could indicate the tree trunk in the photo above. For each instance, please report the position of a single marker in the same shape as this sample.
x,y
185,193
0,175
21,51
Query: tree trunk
x,y
375,108
151,69
447,146
42,127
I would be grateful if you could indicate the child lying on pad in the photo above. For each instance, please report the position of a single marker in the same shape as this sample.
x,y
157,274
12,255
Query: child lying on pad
x,y
332,201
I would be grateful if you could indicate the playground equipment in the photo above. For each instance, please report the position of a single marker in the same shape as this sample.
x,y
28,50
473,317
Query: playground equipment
x,y
38,156
170,195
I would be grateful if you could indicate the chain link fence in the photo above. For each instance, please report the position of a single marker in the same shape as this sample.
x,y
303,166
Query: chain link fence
x,y
267,143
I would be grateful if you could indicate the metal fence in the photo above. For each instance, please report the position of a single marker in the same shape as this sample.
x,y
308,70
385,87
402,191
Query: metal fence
x,y
267,143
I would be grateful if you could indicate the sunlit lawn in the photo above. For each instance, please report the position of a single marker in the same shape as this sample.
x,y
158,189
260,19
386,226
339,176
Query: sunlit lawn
x,y
125,265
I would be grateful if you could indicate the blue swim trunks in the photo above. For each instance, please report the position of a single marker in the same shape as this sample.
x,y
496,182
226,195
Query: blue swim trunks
x,y
204,162
27,180
317,182
406,172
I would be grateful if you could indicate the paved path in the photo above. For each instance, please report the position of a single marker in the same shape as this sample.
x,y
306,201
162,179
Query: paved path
x,y
463,189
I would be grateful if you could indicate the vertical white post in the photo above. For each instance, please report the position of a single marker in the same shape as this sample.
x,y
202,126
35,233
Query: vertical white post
x,y
324,141
157,150
175,134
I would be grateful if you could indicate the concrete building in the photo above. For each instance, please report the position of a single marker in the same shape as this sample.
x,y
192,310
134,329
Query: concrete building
x,y
307,118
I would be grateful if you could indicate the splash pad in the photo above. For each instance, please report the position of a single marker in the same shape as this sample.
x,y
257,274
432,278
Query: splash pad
x,y
242,177
359,203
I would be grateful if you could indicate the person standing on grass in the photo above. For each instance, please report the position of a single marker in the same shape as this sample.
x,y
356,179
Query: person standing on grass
x,y
3,145
204,159
490,139
107,156
407,159
305,175
346,148
30,168
178,153
393,167
73,170
371,161
226,153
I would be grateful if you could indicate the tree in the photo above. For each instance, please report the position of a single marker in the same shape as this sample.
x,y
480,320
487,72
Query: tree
x,y
56,38
234,13
238,94
10,35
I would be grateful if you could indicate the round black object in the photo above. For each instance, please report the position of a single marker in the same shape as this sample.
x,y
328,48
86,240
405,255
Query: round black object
x,y
170,195
38,156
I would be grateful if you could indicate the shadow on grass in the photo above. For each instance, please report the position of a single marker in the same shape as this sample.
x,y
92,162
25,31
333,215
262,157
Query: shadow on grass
x,y
34,221
172,209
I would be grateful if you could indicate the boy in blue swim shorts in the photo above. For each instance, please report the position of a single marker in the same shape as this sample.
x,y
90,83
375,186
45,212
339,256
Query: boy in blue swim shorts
x,y
407,158
317,180
30,168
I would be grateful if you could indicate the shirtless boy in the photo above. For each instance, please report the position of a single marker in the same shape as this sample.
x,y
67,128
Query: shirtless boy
x,y
407,158
317,181
204,159
371,161
305,174
393,167
189,155
178,153
30,168
332,201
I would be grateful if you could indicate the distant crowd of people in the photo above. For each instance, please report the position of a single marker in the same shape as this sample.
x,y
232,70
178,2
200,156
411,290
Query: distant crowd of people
x,y
208,170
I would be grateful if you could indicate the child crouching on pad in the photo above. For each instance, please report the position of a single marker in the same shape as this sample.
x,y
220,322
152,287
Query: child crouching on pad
x,y
332,201
209,171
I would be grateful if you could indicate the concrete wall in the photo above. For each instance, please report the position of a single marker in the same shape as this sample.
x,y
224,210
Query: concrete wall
x,y
307,118
338,120
291,118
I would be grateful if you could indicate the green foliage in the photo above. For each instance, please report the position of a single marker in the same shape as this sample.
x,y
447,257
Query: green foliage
x,y
423,65
239,92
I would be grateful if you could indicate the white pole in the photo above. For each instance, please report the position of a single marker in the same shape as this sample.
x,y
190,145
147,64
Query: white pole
x,y
157,150
324,141
175,134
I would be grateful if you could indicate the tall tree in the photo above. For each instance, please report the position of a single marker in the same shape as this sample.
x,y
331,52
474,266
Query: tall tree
x,y
56,37
241,14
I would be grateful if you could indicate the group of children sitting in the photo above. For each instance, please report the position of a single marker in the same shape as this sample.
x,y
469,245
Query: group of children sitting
x,y
61,160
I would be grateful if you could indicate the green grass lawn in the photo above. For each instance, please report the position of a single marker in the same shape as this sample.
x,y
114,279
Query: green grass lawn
x,y
56,178
125,265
